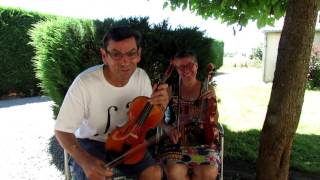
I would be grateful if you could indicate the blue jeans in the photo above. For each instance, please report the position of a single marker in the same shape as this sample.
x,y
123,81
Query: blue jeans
x,y
97,149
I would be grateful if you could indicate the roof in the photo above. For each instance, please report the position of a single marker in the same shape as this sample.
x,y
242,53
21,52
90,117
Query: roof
x,y
279,30
279,24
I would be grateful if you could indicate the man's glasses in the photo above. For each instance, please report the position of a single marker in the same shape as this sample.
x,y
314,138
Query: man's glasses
x,y
116,55
188,66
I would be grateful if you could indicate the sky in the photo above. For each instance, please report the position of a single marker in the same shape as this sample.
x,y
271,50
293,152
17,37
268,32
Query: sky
x,y
242,42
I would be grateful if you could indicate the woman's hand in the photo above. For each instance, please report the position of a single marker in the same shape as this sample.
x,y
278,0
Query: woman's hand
x,y
216,132
208,94
173,133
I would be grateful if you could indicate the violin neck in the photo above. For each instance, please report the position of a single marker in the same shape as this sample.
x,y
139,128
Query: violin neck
x,y
162,81
144,113
205,85
166,75
204,102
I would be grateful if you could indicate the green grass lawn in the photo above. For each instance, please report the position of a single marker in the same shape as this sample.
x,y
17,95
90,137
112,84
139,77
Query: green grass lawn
x,y
242,107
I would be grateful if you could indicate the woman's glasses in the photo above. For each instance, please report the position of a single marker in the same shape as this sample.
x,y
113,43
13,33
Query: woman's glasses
x,y
116,55
188,66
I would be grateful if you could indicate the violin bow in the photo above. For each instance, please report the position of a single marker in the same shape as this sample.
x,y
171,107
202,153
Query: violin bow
x,y
132,151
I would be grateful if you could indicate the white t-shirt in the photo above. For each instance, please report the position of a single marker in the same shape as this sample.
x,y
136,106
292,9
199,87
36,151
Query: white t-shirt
x,y
93,107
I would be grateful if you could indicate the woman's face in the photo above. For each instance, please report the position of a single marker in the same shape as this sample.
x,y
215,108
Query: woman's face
x,y
186,67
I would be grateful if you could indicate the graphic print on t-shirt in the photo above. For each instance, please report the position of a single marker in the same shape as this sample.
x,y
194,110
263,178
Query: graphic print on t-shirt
x,y
111,108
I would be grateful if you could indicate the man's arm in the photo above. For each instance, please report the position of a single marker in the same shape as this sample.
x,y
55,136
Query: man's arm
x,y
69,143
92,167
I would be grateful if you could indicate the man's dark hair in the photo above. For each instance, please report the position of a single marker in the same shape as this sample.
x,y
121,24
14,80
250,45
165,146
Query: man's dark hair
x,y
186,53
119,33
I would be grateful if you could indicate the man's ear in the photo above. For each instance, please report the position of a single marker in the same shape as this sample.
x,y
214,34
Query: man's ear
x,y
103,55
139,54
139,51
103,52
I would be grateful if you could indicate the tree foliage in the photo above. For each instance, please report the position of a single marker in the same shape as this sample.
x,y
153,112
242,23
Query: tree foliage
x,y
265,12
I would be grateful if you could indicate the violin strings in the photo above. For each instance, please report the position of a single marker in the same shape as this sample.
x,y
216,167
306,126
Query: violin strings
x,y
148,108
144,114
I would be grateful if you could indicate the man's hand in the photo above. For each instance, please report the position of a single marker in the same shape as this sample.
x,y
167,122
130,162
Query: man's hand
x,y
95,169
160,96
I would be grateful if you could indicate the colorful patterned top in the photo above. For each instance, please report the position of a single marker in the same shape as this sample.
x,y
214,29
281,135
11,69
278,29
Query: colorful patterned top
x,y
192,149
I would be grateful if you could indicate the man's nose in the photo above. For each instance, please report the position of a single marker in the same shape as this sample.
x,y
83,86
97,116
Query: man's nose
x,y
125,59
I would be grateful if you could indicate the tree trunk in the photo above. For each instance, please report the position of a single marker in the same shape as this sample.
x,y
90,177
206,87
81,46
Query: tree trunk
x,y
288,89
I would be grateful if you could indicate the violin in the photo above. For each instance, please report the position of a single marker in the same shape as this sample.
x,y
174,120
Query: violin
x,y
142,116
208,109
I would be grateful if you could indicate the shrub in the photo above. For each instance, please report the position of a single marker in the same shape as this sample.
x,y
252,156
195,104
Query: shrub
x,y
256,54
16,70
314,68
256,57
64,47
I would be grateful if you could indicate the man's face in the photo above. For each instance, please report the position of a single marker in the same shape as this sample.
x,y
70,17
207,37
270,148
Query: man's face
x,y
122,58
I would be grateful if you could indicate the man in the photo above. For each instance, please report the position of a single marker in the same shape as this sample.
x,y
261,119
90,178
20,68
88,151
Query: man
x,y
97,102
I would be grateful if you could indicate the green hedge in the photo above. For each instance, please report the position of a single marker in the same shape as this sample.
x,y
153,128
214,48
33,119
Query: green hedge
x,y
65,47
16,71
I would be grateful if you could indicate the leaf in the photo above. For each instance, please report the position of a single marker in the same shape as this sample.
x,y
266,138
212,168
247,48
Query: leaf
x,y
274,2
260,23
281,9
165,4
184,6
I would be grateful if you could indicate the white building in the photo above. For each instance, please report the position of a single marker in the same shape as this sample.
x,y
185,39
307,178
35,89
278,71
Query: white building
x,y
270,51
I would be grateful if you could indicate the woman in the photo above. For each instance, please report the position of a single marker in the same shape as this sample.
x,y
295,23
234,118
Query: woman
x,y
187,147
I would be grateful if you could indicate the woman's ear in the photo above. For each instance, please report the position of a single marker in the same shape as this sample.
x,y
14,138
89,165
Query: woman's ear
x,y
173,61
196,64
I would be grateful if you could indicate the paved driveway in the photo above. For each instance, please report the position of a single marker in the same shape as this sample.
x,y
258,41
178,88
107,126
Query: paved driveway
x,y
25,132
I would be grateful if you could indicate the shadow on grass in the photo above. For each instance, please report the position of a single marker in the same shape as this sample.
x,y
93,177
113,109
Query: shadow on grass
x,y
241,151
